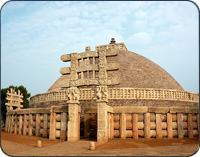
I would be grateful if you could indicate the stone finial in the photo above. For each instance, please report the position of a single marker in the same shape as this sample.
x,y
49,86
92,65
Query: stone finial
x,y
112,41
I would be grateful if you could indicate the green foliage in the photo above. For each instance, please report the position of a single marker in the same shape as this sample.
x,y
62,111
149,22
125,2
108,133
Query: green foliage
x,y
25,103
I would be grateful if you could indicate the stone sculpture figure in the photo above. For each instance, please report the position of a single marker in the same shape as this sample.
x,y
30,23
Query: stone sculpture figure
x,y
73,94
102,93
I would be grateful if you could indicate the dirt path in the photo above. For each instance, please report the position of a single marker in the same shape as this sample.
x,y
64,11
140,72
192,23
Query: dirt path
x,y
27,140
18,145
143,143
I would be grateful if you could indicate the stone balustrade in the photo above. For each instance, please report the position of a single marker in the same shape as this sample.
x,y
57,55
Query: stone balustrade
x,y
56,122
119,46
150,93
87,94
122,93
142,122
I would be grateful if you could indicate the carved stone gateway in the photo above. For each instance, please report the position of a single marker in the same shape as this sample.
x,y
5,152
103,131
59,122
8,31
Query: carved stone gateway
x,y
14,99
89,68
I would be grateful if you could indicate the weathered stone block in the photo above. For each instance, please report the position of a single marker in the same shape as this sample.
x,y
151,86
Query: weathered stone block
x,y
177,109
158,109
191,110
130,109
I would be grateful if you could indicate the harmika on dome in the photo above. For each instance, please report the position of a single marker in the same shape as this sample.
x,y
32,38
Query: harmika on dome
x,y
113,93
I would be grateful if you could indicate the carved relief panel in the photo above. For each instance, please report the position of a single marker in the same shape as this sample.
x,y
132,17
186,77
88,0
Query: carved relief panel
x,y
85,66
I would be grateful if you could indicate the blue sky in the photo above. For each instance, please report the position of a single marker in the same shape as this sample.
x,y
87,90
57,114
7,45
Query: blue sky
x,y
35,34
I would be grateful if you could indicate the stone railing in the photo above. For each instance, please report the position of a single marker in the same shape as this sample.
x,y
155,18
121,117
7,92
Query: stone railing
x,y
148,93
142,122
121,93
119,46
85,94
52,96
49,122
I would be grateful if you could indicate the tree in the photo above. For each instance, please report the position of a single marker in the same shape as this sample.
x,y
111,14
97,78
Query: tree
x,y
25,103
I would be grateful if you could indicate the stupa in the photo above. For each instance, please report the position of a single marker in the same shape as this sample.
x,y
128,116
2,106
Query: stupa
x,y
115,93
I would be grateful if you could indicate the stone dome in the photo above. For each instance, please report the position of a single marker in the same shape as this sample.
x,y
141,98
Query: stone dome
x,y
135,71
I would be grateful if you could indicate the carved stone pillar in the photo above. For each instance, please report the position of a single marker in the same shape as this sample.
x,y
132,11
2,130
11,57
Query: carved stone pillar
x,y
12,123
147,126
169,126
123,125
25,125
30,131
112,126
135,126
158,126
109,122
37,127
15,126
180,125
102,122
9,123
20,125
52,132
190,126
63,129
6,126
102,116
45,126
73,133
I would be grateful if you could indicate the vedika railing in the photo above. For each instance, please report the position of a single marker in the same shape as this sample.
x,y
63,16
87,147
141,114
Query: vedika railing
x,y
150,93
121,93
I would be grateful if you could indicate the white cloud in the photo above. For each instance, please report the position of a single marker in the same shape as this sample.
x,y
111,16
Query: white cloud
x,y
140,38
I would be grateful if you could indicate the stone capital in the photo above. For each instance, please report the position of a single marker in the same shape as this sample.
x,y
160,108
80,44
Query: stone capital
x,y
73,94
102,94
